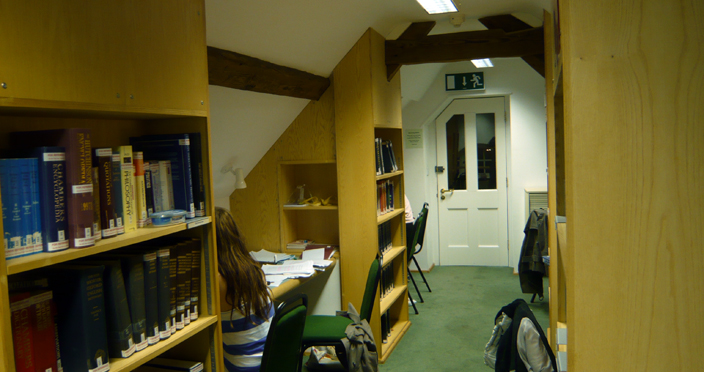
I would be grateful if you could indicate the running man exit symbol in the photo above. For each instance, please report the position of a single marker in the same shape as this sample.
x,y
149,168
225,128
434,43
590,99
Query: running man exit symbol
x,y
465,81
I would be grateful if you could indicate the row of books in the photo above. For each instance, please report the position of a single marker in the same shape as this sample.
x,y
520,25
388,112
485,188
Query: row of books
x,y
77,316
385,157
384,237
385,327
387,280
67,194
384,197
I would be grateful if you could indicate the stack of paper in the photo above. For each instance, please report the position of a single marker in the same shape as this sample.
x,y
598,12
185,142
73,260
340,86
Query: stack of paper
x,y
265,256
276,274
319,257
299,244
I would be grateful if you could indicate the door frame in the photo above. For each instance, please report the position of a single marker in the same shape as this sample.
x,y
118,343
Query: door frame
x,y
432,194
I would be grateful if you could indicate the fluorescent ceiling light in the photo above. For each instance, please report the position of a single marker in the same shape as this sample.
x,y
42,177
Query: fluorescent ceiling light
x,y
482,63
438,6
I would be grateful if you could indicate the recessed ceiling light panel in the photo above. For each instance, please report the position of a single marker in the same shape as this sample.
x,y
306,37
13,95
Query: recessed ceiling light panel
x,y
482,63
438,6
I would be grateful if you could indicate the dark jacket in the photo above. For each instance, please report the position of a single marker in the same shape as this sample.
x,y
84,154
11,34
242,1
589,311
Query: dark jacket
x,y
531,268
507,358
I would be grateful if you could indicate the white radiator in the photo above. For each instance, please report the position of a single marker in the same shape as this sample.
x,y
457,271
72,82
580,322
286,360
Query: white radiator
x,y
536,198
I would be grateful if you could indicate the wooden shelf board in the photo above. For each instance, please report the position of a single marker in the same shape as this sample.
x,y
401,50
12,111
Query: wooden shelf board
x,y
153,351
311,208
391,298
305,162
35,261
391,254
388,216
21,106
389,175
397,331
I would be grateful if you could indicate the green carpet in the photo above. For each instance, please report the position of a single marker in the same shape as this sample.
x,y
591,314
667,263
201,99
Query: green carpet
x,y
457,318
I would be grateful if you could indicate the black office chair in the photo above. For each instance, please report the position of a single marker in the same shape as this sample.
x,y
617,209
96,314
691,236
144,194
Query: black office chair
x,y
282,349
411,251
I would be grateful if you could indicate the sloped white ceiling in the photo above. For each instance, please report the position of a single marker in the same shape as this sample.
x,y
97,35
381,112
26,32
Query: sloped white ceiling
x,y
312,36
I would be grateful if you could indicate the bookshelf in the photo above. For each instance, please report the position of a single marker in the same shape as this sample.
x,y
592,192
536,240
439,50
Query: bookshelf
x,y
117,83
316,223
367,106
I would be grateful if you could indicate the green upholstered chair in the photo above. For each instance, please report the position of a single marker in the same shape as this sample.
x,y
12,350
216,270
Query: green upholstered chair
x,y
417,242
282,349
327,330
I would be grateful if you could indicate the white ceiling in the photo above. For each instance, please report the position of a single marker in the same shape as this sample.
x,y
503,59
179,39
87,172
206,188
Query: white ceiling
x,y
312,36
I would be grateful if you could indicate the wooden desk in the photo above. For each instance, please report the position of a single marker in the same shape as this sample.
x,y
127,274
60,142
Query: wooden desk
x,y
322,289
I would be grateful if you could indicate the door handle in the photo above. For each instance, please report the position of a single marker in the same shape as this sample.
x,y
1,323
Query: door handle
x,y
443,191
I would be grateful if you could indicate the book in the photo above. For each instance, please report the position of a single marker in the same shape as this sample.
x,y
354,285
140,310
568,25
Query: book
x,y
37,236
195,277
164,292
133,273
151,302
176,365
80,303
166,185
129,209
176,149
102,158
27,231
183,291
33,331
13,226
77,144
140,189
299,244
173,287
388,160
51,166
117,193
97,228
158,198
197,173
148,191
119,322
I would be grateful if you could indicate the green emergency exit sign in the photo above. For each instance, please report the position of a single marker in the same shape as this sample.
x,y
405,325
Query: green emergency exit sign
x,y
464,81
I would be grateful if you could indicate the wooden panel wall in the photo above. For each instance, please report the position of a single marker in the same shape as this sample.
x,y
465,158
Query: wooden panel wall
x,y
633,91
310,137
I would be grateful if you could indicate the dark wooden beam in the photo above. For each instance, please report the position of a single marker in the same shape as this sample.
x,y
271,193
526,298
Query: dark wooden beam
x,y
509,23
464,46
415,31
238,71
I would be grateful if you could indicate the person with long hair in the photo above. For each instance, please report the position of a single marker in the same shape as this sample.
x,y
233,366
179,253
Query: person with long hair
x,y
245,301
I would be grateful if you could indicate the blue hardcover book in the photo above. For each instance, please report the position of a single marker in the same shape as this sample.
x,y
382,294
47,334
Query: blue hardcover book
x,y
117,185
37,236
7,206
28,246
148,190
51,163
175,148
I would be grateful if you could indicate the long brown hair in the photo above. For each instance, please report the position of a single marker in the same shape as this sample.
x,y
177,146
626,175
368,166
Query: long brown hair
x,y
246,287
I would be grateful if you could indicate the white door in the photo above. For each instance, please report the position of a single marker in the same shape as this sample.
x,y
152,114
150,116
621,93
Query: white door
x,y
471,147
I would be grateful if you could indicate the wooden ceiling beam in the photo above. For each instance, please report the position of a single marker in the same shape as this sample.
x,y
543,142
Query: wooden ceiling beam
x,y
463,46
238,71
415,31
509,23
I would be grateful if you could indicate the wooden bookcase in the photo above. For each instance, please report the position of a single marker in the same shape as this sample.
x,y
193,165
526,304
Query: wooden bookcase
x,y
120,69
368,106
316,223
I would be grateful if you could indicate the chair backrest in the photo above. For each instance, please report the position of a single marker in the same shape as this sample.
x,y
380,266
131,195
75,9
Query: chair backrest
x,y
419,234
370,290
282,349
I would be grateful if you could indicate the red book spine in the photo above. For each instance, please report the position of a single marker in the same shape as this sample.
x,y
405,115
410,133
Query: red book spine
x,y
44,337
21,318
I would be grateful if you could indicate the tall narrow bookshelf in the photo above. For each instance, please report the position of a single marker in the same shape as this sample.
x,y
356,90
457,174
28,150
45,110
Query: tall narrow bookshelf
x,y
119,69
367,106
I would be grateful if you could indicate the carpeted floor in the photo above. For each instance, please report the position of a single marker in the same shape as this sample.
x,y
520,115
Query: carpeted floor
x,y
456,320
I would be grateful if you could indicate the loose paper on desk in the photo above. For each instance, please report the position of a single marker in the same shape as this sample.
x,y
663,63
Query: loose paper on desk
x,y
318,264
263,255
301,268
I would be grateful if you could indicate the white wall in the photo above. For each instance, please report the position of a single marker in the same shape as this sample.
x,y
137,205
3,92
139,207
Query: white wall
x,y
525,90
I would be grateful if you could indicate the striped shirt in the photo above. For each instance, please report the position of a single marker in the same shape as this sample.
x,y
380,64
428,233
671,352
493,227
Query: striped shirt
x,y
243,342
